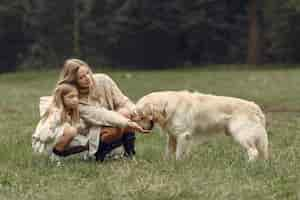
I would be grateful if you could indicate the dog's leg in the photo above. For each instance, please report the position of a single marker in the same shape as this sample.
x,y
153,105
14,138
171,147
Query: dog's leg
x,y
252,154
170,146
262,142
243,132
248,144
182,145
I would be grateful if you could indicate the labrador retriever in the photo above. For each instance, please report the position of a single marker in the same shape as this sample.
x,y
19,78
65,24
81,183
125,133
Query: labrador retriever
x,y
188,117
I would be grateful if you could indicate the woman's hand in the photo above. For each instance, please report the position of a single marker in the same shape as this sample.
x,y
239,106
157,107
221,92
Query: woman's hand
x,y
136,127
125,112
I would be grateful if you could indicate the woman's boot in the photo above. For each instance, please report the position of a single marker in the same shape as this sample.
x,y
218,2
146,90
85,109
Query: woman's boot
x,y
105,148
128,143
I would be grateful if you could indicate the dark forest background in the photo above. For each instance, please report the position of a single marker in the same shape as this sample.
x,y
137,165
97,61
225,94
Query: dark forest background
x,y
148,33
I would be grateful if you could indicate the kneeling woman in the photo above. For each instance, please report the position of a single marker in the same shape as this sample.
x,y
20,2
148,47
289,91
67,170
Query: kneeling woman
x,y
102,105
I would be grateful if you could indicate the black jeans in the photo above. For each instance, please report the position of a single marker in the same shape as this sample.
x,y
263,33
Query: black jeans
x,y
127,140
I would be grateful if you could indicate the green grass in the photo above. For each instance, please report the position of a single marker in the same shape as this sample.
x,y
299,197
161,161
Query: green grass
x,y
217,170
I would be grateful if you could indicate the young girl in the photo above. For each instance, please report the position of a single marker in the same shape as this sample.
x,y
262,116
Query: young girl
x,y
60,124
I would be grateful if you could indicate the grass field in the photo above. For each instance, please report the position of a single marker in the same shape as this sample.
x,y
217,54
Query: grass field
x,y
216,171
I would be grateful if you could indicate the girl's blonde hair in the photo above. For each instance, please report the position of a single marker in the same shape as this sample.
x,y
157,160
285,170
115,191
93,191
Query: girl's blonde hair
x,y
58,102
69,74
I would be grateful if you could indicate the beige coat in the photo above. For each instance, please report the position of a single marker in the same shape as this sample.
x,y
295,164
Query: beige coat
x,y
101,112
113,98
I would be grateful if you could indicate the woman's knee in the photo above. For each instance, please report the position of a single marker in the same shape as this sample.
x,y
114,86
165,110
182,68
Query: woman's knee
x,y
110,134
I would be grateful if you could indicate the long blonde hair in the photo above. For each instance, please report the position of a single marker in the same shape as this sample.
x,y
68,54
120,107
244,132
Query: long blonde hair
x,y
58,102
69,75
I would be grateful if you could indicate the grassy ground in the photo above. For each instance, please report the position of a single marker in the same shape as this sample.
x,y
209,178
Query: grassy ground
x,y
217,170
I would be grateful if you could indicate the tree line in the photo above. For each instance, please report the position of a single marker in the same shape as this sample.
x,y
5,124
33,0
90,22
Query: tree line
x,y
148,33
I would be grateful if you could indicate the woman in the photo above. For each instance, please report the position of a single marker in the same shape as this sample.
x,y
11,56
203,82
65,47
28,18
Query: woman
x,y
102,105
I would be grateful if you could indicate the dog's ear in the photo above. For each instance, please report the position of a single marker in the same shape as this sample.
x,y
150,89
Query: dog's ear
x,y
150,111
148,108
164,110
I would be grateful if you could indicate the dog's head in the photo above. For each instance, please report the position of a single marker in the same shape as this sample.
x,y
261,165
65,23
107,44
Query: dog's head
x,y
151,109
143,115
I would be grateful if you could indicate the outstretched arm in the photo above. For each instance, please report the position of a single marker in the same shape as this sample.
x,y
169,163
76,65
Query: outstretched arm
x,y
102,117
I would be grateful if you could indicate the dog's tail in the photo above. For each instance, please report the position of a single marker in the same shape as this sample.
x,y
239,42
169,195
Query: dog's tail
x,y
260,115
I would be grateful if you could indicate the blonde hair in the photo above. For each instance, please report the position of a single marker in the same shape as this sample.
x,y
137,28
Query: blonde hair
x,y
58,102
69,75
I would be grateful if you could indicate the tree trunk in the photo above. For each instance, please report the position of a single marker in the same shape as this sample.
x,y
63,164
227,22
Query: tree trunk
x,y
254,48
76,30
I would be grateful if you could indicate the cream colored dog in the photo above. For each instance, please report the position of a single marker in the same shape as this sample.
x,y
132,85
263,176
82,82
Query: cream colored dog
x,y
188,117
